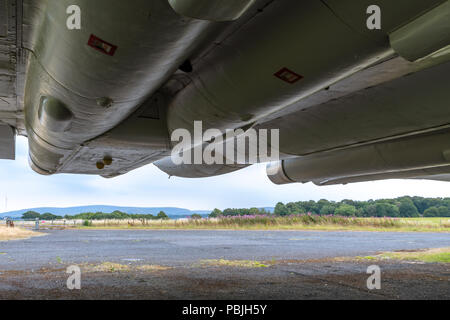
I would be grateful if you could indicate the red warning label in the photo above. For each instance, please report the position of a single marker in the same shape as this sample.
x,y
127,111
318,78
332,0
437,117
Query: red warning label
x,y
288,76
102,46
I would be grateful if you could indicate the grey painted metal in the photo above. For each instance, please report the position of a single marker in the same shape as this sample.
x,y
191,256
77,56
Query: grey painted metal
x,y
359,118
214,10
408,105
382,158
152,41
436,173
424,35
353,92
9,106
276,174
54,115
394,14
353,111
235,83
374,76
196,170
7,142
139,140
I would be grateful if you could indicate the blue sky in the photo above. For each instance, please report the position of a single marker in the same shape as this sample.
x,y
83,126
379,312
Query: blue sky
x,y
148,187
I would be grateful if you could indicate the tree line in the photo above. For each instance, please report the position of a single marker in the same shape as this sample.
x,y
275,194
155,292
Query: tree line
x,y
117,215
398,207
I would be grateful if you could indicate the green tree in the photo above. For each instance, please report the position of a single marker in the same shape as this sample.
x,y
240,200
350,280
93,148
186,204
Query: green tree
x,y
49,216
444,211
423,204
281,210
196,216
30,215
216,213
291,208
327,209
162,215
384,209
407,208
345,210
431,212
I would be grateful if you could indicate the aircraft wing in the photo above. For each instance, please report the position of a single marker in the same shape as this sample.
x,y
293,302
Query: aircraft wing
x,y
11,115
101,87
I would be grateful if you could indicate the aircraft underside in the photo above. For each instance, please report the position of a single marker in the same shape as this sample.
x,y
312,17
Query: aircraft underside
x,y
350,103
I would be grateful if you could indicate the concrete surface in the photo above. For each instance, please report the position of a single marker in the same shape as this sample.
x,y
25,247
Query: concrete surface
x,y
302,265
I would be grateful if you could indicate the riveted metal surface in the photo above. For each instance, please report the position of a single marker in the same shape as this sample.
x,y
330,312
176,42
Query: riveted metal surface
x,y
276,174
436,173
394,14
152,41
139,140
7,142
196,170
214,10
8,59
309,68
390,109
235,84
377,159
424,35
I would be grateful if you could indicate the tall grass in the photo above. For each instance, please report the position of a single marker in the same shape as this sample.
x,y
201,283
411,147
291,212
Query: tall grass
x,y
16,233
295,220
290,222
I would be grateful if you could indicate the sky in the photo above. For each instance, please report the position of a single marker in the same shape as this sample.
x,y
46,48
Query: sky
x,y
150,187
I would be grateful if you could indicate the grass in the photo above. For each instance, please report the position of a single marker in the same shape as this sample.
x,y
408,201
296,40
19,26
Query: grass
x,y
152,267
7,234
108,267
293,222
233,263
112,267
439,255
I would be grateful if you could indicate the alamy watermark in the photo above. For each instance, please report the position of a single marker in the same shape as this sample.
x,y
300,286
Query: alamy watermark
x,y
374,281
374,20
73,22
232,146
74,280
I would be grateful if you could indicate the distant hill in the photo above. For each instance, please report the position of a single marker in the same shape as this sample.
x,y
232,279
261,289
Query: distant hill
x,y
170,211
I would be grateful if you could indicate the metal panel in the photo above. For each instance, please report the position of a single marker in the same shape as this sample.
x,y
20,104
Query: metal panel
x,y
152,42
7,142
3,18
137,141
438,174
196,170
235,84
10,107
214,10
423,36
385,158
7,56
394,14
404,106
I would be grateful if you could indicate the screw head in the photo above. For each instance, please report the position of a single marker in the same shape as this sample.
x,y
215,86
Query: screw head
x,y
105,102
107,160
100,165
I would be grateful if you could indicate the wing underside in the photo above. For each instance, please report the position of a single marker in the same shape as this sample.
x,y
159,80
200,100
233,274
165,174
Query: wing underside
x,y
351,104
